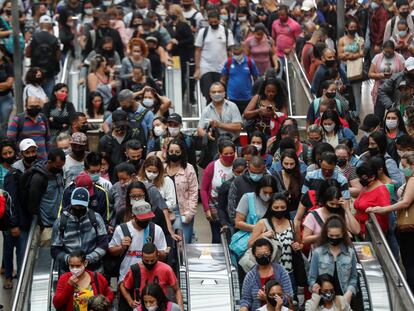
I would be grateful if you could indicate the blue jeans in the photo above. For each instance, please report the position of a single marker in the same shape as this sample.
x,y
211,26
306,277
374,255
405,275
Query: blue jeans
x,y
391,236
187,229
48,85
9,244
6,107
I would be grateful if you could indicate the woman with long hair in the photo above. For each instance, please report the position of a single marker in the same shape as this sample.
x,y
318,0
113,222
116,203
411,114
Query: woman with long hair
x,y
154,299
95,106
152,100
394,127
334,132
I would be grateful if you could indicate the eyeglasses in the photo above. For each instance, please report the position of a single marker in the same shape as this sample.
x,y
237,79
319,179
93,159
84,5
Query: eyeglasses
x,y
263,255
137,196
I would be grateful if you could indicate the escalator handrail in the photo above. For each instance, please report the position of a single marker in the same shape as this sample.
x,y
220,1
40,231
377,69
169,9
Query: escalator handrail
x,y
295,59
184,264
288,86
228,266
65,68
20,293
383,240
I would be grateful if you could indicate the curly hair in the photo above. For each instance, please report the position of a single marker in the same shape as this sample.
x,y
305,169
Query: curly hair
x,y
138,42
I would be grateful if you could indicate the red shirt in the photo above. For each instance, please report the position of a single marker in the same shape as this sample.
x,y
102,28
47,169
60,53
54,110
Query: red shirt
x,y
379,196
162,271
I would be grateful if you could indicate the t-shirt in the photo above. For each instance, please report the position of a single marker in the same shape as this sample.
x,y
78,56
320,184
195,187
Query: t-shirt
x,y
264,308
221,174
259,206
81,297
213,49
34,91
6,71
134,253
161,272
71,169
311,223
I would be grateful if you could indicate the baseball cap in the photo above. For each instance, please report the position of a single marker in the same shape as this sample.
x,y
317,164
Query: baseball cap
x,y
409,63
84,180
79,138
80,196
175,117
142,210
45,19
371,121
307,5
120,117
26,144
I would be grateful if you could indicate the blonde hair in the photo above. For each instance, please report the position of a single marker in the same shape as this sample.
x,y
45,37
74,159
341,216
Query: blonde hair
x,y
179,11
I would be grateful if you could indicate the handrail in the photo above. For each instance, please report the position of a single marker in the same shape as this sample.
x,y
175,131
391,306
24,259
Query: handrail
x,y
288,86
401,282
228,266
51,280
23,282
187,277
65,68
296,59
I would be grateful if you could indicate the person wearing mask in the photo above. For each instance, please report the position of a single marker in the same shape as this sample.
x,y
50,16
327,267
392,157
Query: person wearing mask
x,y
258,140
186,186
325,297
334,132
93,167
66,36
31,124
377,22
139,81
58,111
153,101
371,123
159,130
403,40
215,174
105,49
138,227
394,128
153,299
6,84
237,79
192,15
74,160
8,155
344,155
221,115
151,270
314,135
134,152
34,80
76,287
78,229
336,257
78,123
44,53
138,52
276,299
211,45
403,13
45,181
253,295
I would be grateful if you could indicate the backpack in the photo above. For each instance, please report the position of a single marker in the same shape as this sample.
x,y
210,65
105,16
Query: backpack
x,y
393,20
24,185
134,292
138,131
317,102
43,55
64,221
249,63
226,32
4,217
191,21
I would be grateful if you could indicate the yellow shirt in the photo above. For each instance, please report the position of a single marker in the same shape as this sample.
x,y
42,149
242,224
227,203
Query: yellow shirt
x,y
81,297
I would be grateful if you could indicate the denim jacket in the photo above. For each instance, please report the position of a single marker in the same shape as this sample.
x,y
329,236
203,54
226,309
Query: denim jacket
x,y
323,262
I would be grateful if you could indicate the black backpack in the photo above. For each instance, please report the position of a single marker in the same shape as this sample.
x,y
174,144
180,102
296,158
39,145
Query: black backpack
x,y
43,52
138,131
134,292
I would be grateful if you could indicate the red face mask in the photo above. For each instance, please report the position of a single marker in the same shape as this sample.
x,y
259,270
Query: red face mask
x,y
61,96
228,160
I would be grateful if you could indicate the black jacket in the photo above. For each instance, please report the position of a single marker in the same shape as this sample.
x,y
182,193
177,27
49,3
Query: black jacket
x,y
99,35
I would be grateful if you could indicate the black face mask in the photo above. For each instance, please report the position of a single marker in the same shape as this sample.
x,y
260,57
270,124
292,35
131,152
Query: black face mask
x,y
78,212
334,210
272,301
78,153
335,241
290,170
173,17
31,159
215,26
33,111
174,157
135,163
352,32
278,214
107,53
9,160
105,30
142,223
330,63
404,14
330,95
84,129
149,266
314,142
262,261
373,151
342,162
56,171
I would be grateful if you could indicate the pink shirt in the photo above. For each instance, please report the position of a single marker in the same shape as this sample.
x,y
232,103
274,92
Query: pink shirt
x,y
260,52
285,34
311,223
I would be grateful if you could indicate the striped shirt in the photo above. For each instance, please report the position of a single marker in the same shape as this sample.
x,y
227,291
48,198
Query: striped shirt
x,y
22,126
314,180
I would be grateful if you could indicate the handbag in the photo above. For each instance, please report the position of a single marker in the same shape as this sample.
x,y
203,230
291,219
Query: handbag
x,y
240,239
354,69
9,41
299,263
405,217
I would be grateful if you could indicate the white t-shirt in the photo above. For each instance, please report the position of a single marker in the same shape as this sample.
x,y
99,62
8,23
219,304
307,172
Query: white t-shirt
x,y
34,91
134,253
214,49
197,17
264,308
221,174
71,169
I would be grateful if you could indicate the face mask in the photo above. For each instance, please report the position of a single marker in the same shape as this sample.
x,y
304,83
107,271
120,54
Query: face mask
x,y
408,172
335,241
77,271
217,97
238,58
374,5
352,32
174,157
158,131
106,3
84,128
88,11
314,142
31,159
342,162
373,151
56,171
328,296
329,128
278,214
391,124
404,14
289,170
263,261
78,212
148,102
33,111
174,131
243,18
149,266
78,153
152,308
334,210
151,176
330,63
214,27
258,147
95,177
402,33
264,197
141,223
256,177
228,159
136,163
224,18
9,160
330,95
173,17
388,56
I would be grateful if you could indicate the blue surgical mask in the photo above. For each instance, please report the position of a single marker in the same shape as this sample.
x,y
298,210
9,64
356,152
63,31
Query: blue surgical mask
x,y
374,5
402,33
95,177
256,177
408,172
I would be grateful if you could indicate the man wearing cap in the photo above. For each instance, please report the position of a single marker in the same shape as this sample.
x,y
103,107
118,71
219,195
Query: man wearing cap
x,y
139,228
397,89
370,124
311,13
74,160
44,52
139,117
98,197
78,228
28,152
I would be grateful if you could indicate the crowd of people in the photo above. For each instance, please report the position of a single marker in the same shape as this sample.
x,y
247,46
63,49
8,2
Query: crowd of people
x,y
290,203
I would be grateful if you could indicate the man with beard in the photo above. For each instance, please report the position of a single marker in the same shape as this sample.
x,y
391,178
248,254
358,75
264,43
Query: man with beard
x,y
78,123
134,152
75,159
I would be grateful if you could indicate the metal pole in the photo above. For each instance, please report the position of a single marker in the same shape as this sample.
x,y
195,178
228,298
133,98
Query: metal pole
x,y
340,20
17,58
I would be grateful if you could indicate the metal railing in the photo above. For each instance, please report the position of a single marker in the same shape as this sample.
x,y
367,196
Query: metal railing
x,y
22,294
400,293
230,272
65,68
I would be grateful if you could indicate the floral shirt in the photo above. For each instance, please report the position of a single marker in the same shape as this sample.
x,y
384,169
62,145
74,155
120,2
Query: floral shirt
x,y
81,297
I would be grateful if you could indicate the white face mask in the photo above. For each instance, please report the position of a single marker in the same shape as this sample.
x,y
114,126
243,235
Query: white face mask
x,y
158,130
174,131
152,308
217,97
329,128
400,153
238,58
258,147
148,102
243,18
391,124
151,176
77,271
106,3
88,11
265,197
